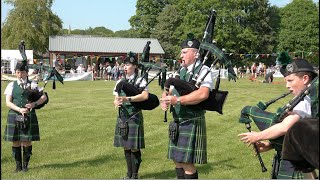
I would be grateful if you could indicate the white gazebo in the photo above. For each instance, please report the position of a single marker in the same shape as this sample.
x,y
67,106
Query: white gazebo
x,y
9,58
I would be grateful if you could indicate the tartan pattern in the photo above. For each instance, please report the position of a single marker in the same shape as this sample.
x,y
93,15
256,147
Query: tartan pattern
x,y
185,112
314,96
13,133
191,146
135,137
263,120
286,171
216,51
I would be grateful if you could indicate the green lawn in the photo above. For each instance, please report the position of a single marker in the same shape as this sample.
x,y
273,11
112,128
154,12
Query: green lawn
x,y
77,128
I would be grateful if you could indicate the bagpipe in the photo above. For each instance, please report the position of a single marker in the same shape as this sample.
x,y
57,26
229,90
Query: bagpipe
x,y
132,90
216,97
31,90
264,119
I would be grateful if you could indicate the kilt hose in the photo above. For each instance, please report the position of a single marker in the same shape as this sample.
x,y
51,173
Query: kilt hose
x,y
191,145
135,137
13,133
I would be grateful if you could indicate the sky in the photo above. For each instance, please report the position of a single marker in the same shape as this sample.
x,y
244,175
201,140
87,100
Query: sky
x,y
111,14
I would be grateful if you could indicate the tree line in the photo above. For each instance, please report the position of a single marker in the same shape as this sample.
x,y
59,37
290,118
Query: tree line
x,y
242,26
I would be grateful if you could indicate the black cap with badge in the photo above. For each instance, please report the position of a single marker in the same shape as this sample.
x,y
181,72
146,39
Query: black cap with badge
x,y
289,66
190,42
21,66
131,58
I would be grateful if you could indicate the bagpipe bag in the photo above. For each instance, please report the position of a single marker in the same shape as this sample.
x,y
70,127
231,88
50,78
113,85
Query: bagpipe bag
x,y
130,90
263,120
214,102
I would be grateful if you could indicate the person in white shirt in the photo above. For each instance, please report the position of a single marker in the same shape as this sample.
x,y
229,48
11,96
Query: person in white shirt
x,y
298,75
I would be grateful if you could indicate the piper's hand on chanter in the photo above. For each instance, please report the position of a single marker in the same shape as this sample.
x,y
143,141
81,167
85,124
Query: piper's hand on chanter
x,y
118,101
263,146
249,137
31,105
23,111
168,100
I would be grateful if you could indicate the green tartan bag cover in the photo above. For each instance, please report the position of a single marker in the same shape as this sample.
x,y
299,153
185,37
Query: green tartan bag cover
x,y
263,120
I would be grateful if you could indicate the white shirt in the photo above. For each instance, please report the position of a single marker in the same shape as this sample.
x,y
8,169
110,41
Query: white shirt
x,y
303,108
208,81
9,88
142,84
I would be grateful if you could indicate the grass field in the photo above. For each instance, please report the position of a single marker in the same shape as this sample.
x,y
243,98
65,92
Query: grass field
x,y
77,127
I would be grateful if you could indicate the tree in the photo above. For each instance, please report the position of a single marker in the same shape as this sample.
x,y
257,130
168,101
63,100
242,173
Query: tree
x,y
146,13
31,21
299,27
168,20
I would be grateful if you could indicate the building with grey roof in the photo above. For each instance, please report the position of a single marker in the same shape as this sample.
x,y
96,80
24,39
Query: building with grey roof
x,y
84,48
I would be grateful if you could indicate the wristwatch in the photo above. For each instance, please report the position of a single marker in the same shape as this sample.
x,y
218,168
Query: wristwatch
x,y
129,99
35,104
178,100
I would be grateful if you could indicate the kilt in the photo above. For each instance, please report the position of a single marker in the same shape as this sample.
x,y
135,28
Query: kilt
x,y
286,171
13,133
135,137
191,146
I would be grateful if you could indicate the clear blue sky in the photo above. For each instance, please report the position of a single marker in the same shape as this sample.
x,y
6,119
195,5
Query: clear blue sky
x,y
112,14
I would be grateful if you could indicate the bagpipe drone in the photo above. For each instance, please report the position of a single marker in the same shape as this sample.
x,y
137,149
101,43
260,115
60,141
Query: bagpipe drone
x,y
216,97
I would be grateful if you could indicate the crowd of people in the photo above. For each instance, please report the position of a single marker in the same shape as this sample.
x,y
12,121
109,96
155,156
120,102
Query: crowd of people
x,y
103,71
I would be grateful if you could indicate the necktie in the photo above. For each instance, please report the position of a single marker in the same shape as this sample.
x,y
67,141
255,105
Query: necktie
x,y
183,73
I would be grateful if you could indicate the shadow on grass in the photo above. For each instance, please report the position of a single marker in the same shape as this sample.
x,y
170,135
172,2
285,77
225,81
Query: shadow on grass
x,y
85,162
202,169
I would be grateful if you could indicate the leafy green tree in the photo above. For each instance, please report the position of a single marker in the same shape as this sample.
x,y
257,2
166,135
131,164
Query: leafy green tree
x,y
130,33
100,31
168,20
147,12
299,28
31,21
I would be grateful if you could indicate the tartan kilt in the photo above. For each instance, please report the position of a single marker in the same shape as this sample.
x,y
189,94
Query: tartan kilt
x,y
135,137
287,171
191,145
13,133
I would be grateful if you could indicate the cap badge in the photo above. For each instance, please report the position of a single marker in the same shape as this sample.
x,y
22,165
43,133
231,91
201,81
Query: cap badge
x,y
131,59
290,68
190,43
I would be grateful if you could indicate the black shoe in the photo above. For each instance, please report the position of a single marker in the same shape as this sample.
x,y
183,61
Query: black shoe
x,y
25,167
18,167
134,176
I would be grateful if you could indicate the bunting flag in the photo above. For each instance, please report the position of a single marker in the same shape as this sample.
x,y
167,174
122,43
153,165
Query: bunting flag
x,y
266,56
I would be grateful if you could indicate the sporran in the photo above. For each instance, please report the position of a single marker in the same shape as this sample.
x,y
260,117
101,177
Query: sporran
x,y
21,122
173,131
122,127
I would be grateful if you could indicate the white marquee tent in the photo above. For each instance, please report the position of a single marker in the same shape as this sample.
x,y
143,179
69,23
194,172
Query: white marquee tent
x,y
13,56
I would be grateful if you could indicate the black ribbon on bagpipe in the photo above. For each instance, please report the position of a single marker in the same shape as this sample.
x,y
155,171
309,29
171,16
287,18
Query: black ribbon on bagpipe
x,y
32,94
216,97
264,119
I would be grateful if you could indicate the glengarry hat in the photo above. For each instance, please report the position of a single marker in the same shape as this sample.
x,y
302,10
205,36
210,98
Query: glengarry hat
x,y
131,58
21,66
297,65
190,42
289,66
